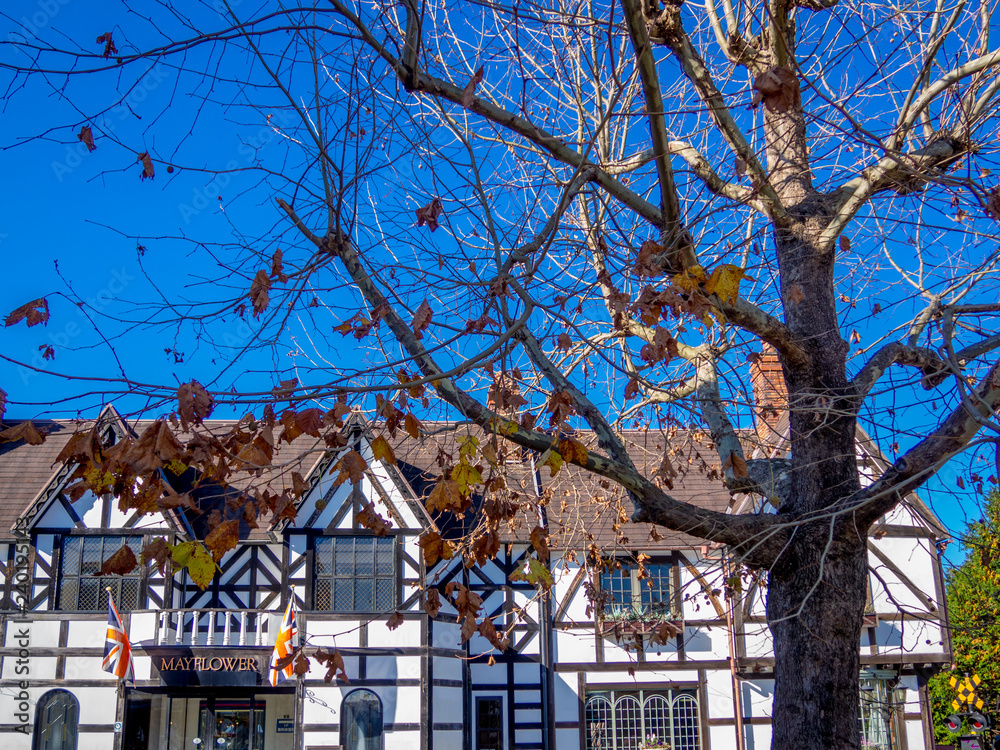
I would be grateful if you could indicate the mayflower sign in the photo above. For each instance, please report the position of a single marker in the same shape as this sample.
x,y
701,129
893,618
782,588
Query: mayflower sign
x,y
180,666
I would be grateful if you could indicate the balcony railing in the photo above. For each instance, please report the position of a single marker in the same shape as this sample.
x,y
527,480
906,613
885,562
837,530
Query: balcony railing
x,y
214,627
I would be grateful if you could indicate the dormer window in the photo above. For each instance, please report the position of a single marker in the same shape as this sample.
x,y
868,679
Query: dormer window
x,y
81,589
630,593
354,574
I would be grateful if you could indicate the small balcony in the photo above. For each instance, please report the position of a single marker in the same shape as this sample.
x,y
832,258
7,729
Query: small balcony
x,y
215,627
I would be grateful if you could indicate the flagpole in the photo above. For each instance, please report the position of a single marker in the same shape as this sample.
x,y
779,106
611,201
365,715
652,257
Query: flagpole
x,y
297,728
122,695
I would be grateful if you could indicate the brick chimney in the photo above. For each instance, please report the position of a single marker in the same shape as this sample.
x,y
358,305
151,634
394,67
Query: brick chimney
x,y
770,394
3,403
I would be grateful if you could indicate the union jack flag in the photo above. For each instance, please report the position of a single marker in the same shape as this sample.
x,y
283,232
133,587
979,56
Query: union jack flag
x,y
117,649
283,646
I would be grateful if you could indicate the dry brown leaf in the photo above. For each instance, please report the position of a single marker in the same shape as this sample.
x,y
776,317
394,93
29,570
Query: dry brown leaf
x,y
422,319
25,431
372,521
277,267
540,541
223,538
148,172
157,552
87,136
334,665
429,214
194,404
34,312
432,602
737,464
573,451
109,45
412,426
778,88
394,621
352,466
299,485
435,548
120,563
446,496
469,92
259,296
155,448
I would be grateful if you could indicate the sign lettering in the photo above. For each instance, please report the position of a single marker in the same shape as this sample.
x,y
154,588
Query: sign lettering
x,y
209,664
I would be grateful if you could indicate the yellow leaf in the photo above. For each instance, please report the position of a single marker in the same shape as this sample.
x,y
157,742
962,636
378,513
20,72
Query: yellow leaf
x,y
725,282
536,574
181,553
382,450
201,567
467,446
690,278
573,451
467,476
553,460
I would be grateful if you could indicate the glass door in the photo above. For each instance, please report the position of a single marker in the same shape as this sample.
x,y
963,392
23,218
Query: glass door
x,y
230,725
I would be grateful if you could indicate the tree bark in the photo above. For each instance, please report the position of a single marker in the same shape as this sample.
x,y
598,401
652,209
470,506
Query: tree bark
x,y
815,607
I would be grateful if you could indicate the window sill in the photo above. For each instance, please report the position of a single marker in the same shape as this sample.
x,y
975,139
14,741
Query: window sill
x,y
630,633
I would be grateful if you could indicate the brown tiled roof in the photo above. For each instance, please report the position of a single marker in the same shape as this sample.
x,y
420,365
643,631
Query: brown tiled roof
x,y
579,508
25,470
584,508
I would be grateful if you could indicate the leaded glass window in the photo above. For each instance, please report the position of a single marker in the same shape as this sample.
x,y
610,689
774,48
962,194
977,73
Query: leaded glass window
x,y
81,589
57,718
354,574
623,720
650,594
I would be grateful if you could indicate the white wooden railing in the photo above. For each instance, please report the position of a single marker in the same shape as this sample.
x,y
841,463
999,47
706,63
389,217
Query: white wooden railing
x,y
214,627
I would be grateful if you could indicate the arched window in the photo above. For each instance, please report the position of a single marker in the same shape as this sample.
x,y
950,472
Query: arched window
x,y
56,721
361,721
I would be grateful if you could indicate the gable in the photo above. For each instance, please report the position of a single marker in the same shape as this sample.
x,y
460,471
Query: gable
x,y
50,509
329,505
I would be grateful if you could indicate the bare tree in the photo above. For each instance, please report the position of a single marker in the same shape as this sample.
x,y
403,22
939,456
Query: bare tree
x,y
576,215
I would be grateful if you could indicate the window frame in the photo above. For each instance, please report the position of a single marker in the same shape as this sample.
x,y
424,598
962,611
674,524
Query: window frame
x,y
314,576
344,728
880,708
140,574
42,743
672,607
642,696
479,700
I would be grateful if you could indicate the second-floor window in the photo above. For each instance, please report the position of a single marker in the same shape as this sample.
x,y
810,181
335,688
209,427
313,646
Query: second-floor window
x,y
354,574
81,589
628,593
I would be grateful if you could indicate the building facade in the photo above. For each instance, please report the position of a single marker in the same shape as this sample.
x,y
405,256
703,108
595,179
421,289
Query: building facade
x,y
663,636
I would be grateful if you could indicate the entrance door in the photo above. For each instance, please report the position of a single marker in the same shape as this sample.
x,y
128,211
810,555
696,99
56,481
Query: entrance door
x,y
231,724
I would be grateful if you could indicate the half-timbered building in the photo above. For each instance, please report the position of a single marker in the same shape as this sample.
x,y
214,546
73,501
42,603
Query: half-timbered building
x,y
628,632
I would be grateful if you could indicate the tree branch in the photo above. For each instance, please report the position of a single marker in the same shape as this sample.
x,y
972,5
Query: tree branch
x,y
919,463
935,370
428,84
676,39
669,201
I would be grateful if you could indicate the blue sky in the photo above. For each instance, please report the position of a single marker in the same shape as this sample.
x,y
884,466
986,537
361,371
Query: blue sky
x,y
82,226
